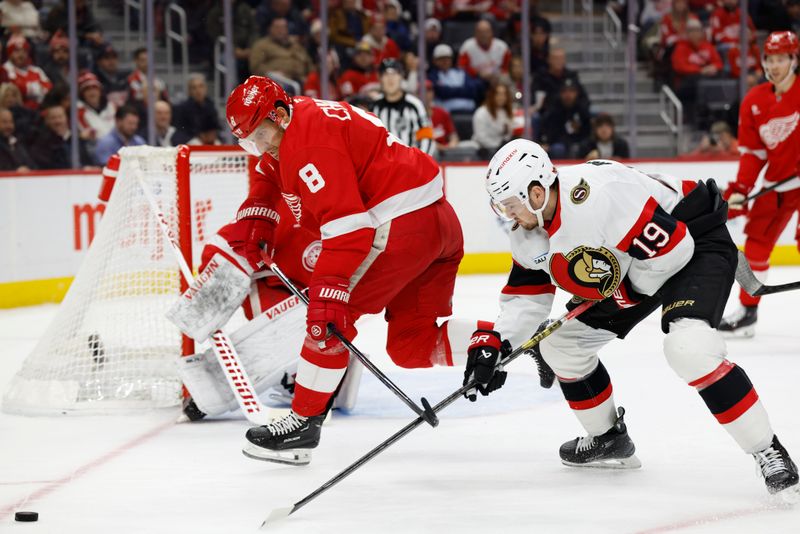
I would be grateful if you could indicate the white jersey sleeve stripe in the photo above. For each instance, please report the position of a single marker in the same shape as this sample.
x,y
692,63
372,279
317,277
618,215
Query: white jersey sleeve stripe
x,y
345,225
759,153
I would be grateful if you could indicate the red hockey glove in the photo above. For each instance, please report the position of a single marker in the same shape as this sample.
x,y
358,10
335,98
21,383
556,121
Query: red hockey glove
x,y
327,303
483,355
255,222
736,195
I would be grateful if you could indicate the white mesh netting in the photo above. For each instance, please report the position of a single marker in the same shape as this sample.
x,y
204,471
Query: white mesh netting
x,y
109,348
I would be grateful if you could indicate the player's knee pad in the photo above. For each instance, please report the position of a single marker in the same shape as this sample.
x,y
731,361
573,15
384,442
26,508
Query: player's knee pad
x,y
572,349
411,343
693,349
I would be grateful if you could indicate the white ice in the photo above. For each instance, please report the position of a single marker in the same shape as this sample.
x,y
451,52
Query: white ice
x,y
489,467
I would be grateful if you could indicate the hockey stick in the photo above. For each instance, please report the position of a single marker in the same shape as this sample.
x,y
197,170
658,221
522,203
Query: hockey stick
x,y
751,284
280,513
221,344
425,413
768,189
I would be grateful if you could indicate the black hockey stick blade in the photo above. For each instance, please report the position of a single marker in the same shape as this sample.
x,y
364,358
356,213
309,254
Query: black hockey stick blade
x,y
751,284
427,413
276,515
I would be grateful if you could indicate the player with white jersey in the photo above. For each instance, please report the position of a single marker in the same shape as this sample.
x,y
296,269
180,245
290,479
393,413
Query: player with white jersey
x,y
635,242
768,135
390,241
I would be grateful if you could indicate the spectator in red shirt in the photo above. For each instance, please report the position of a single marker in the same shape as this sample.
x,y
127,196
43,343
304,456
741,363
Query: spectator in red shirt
x,y
692,60
383,47
725,22
361,77
673,26
313,88
32,82
754,69
483,55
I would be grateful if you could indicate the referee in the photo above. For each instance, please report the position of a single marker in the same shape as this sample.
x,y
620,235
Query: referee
x,y
402,113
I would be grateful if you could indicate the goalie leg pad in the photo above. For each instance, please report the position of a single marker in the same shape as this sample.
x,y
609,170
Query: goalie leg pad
x,y
211,299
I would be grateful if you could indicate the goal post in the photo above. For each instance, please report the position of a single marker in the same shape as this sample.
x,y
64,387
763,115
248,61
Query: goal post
x,y
109,349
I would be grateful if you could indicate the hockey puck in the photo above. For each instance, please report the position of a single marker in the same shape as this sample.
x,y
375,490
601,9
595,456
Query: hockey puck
x,y
26,517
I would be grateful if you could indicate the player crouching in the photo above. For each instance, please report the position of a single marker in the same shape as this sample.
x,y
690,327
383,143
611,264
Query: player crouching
x,y
634,242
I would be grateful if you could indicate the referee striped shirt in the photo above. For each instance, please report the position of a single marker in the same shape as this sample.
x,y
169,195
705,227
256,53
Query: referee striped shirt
x,y
408,120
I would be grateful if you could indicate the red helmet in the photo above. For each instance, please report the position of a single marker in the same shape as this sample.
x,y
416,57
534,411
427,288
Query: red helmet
x,y
252,102
781,43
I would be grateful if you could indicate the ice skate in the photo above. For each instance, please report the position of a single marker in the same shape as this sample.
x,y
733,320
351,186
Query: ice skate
x,y
740,323
288,440
612,450
779,471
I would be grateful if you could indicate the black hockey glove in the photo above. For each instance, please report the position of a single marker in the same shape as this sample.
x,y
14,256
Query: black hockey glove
x,y
483,355
546,374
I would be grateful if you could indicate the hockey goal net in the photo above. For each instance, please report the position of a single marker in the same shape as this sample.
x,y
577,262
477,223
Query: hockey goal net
x,y
109,349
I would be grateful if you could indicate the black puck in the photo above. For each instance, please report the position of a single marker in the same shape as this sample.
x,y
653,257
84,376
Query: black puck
x,y
26,517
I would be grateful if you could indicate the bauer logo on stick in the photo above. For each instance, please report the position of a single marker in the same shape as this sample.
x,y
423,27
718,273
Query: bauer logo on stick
x,y
589,273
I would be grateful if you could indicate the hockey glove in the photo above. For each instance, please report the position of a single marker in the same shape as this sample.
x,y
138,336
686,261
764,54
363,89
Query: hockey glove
x,y
736,195
483,355
255,222
546,374
327,303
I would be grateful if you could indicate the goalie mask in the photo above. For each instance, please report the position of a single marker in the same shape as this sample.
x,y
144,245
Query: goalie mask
x,y
511,171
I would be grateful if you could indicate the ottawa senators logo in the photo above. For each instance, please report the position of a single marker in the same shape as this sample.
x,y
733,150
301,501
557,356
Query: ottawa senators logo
x,y
588,273
311,255
580,192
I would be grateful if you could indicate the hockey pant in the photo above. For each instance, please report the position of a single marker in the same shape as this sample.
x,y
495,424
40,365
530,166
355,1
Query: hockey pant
x,y
410,272
766,221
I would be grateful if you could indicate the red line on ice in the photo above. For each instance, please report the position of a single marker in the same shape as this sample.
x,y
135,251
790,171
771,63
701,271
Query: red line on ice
x,y
711,518
9,509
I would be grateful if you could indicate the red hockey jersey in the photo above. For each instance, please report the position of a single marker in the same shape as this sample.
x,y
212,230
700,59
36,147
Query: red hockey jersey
x,y
32,82
724,26
340,167
768,132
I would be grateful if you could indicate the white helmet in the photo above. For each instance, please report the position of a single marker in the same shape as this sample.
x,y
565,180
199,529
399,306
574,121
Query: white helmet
x,y
512,169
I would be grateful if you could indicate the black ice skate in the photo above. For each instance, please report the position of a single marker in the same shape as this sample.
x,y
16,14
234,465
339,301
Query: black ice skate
x,y
288,440
612,450
191,411
778,470
740,323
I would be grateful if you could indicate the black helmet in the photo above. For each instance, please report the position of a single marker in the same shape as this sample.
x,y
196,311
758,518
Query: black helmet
x,y
389,64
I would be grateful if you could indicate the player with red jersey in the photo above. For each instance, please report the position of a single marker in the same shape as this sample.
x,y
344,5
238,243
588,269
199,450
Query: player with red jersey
x,y
389,241
768,133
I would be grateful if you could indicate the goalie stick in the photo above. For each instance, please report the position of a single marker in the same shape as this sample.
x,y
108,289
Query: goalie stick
x,y
751,284
426,413
221,344
280,513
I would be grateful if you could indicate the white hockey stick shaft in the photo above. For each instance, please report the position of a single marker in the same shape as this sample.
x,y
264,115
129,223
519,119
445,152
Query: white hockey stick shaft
x,y
223,348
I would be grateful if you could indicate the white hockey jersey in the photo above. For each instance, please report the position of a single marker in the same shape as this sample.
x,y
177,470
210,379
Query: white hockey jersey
x,y
612,224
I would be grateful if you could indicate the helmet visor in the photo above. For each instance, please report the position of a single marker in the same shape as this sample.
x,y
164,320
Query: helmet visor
x,y
260,140
509,209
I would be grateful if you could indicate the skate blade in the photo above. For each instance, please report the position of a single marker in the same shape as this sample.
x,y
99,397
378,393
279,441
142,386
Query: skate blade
x,y
632,462
288,456
746,332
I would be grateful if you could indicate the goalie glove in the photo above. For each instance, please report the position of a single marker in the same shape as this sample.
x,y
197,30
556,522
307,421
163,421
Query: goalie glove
x,y
483,357
546,374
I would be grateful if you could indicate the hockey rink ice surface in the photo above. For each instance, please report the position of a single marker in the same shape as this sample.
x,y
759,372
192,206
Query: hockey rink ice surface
x,y
490,467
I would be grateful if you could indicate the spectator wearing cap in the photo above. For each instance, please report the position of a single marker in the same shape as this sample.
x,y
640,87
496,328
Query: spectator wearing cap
x,y
165,131
566,124
718,143
126,124
403,113
13,154
361,77
51,148
445,135
24,118
208,135
396,27
454,89
433,37
57,64
95,112
692,60
19,16
313,87
32,82
484,55
278,53
89,31
492,123
114,81
245,31
383,47
547,83
198,109
347,25
604,142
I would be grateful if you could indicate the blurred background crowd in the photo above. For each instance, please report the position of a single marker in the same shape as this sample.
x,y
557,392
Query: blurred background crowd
x,y
473,84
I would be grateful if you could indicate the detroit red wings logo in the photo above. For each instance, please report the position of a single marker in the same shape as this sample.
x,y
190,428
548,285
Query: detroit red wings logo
x,y
777,130
294,203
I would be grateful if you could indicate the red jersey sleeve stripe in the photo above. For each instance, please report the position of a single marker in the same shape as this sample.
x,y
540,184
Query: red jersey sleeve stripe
x,y
597,400
644,217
